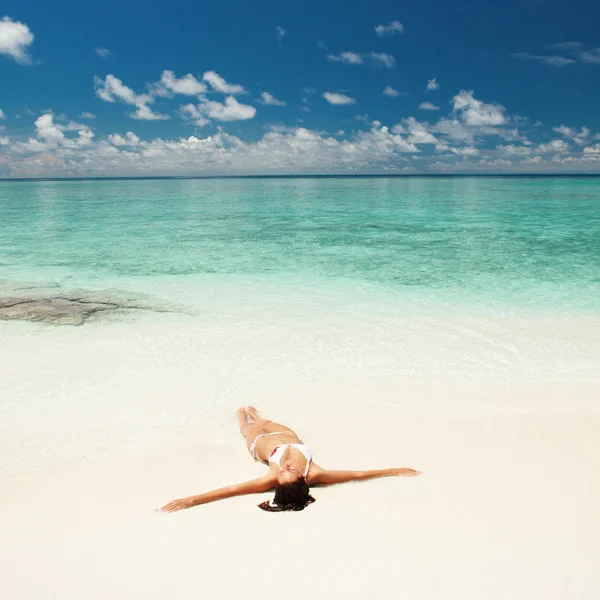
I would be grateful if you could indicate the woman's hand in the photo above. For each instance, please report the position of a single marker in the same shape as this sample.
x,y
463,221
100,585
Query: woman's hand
x,y
178,504
405,472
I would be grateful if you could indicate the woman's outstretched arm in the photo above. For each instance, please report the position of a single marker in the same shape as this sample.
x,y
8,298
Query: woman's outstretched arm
x,y
328,477
255,486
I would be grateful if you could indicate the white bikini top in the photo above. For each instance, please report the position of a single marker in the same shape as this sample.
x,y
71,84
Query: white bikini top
x,y
277,453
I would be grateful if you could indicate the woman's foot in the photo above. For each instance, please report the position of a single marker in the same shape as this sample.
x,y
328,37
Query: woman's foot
x,y
251,410
242,416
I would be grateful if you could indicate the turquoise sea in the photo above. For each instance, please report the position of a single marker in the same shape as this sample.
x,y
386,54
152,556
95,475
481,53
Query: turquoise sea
x,y
304,296
468,244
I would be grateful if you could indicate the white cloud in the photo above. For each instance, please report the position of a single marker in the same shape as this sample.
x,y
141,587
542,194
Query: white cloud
x,y
280,33
592,150
432,84
454,130
129,139
349,58
418,132
187,85
87,115
465,151
389,30
513,150
428,106
283,150
578,137
112,88
558,146
48,130
591,57
191,112
220,85
382,59
2,115
103,52
4,141
269,99
51,135
476,113
230,110
144,113
334,98
392,93
375,59
15,39
553,61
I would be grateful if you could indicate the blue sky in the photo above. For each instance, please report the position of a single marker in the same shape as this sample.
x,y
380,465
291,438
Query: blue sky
x,y
187,88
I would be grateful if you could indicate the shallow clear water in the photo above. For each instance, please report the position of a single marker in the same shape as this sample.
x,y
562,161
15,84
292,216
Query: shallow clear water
x,y
501,243
303,296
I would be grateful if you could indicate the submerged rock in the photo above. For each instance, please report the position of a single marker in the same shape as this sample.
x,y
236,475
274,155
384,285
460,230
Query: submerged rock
x,y
70,309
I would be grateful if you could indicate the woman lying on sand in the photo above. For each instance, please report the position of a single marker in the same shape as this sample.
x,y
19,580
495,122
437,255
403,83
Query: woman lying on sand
x,y
291,469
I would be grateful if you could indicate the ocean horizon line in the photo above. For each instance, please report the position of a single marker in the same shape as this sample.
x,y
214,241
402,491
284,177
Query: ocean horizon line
x,y
314,176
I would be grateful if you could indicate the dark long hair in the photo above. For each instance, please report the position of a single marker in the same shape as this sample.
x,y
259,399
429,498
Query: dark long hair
x,y
289,496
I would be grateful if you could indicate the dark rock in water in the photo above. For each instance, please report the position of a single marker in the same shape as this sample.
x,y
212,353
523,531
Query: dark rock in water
x,y
71,309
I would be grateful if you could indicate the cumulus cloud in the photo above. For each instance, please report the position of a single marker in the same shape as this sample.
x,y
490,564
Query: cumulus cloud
x,y
476,113
335,98
230,110
190,112
473,129
465,151
513,150
428,106
187,85
51,135
144,113
278,151
418,132
2,115
373,59
48,130
129,139
270,100
432,85
15,39
388,30
578,137
557,146
4,141
87,115
103,52
111,89
349,58
591,57
454,130
553,61
392,93
382,59
220,85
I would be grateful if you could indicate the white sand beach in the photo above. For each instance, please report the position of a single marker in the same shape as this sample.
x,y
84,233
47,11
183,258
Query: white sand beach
x,y
103,424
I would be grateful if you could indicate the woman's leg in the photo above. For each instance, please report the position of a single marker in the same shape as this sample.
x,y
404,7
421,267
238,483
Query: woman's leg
x,y
250,430
266,425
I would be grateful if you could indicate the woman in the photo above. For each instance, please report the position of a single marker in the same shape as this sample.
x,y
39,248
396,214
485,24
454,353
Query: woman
x,y
291,468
